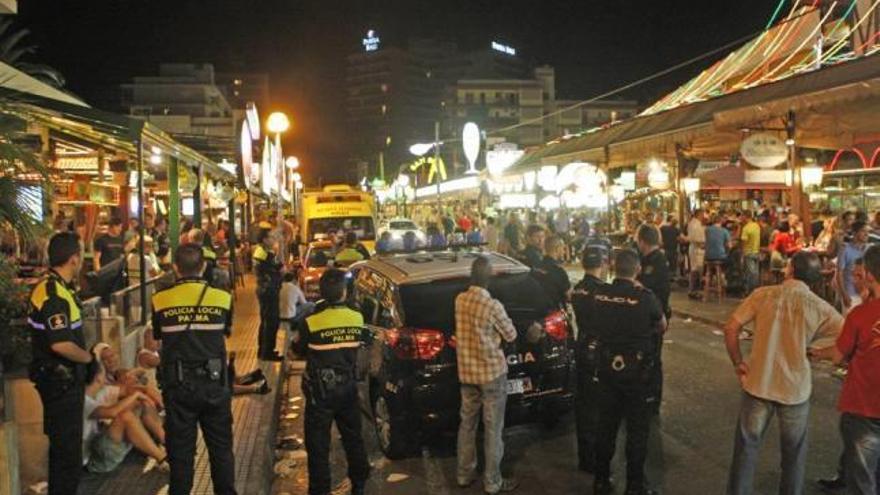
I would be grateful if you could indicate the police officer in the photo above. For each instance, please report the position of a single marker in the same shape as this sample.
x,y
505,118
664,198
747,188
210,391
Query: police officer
x,y
626,318
330,338
59,359
595,263
550,272
201,238
655,276
192,320
268,271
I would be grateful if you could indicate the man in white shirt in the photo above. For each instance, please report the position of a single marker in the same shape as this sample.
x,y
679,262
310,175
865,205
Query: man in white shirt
x,y
291,302
696,237
776,377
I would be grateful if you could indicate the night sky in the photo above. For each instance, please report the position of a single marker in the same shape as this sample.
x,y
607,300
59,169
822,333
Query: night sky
x,y
594,45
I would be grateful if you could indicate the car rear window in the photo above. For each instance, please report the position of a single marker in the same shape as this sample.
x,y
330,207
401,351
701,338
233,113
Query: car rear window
x,y
432,305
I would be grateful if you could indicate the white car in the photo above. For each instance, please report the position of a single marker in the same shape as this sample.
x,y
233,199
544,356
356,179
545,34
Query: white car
x,y
398,227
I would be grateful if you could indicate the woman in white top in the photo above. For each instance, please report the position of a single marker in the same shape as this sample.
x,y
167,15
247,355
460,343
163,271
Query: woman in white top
x,y
111,427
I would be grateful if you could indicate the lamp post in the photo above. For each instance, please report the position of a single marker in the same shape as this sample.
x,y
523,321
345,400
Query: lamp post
x,y
278,123
292,163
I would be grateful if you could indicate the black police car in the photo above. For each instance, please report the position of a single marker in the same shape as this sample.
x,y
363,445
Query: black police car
x,y
411,377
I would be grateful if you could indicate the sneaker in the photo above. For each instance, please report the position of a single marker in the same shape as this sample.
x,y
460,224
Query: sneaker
x,y
264,388
507,485
831,484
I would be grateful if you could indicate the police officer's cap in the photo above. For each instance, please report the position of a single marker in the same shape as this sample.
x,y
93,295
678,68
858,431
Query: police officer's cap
x,y
594,257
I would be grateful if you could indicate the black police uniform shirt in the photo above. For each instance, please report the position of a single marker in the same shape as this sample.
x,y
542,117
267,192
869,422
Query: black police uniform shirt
x,y
110,247
581,299
209,322
625,317
268,270
554,279
330,337
55,316
655,276
532,256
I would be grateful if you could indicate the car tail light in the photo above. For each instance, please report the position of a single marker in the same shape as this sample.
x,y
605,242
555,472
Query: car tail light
x,y
556,325
415,343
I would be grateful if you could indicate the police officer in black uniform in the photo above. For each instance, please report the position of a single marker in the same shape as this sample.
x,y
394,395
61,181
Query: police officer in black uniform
x,y
192,320
330,338
59,360
595,263
655,276
627,319
268,271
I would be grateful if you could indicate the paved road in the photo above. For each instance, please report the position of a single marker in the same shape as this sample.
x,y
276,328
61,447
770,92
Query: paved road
x,y
690,446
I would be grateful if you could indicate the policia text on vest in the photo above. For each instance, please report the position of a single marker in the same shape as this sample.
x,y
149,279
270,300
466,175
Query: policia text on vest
x,y
330,339
192,320
59,360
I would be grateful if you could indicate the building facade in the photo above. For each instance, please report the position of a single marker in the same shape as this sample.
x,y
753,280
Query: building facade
x,y
186,101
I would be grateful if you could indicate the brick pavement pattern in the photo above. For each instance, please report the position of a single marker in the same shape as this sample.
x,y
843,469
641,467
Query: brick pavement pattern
x,y
252,417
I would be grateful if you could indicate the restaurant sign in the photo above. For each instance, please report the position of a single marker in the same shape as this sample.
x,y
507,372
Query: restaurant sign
x,y
764,150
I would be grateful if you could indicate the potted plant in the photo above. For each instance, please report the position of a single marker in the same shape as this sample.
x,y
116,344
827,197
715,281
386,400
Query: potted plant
x,y
15,348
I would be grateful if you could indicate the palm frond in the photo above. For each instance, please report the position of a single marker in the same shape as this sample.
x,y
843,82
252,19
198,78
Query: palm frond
x,y
9,43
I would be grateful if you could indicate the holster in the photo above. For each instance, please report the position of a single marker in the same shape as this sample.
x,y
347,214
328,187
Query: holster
x,y
324,382
180,372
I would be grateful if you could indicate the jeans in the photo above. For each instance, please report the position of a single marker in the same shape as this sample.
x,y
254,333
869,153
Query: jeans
x,y
861,440
492,397
754,418
751,263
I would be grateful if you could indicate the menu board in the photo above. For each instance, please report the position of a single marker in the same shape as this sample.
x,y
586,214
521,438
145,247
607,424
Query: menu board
x,y
87,192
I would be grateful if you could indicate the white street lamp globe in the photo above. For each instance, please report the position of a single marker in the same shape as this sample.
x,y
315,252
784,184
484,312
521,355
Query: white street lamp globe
x,y
292,162
420,149
277,122
403,180
296,177
470,139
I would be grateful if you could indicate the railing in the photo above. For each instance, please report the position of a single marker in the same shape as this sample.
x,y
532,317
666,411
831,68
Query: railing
x,y
127,302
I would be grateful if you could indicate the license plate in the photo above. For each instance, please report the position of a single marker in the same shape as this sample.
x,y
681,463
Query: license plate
x,y
519,386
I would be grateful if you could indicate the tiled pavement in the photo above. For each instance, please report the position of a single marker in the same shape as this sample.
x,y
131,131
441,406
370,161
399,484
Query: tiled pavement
x,y
252,416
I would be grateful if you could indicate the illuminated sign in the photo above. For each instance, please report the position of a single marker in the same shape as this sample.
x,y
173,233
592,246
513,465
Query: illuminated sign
x,y
77,163
498,47
449,186
764,150
470,138
371,42
502,157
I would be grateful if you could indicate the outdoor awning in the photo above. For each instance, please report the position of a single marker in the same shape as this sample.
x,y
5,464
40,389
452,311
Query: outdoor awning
x,y
16,80
695,127
111,131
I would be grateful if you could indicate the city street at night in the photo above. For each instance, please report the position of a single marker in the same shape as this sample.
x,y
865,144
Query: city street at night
x,y
439,247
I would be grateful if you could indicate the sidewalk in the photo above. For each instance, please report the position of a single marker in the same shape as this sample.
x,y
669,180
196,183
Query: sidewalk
x,y
252,426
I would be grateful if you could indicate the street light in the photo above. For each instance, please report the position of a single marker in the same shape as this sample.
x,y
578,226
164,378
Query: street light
x,y
292,162
277,123
419,149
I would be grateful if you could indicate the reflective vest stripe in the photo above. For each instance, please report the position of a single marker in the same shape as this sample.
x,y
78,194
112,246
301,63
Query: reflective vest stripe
x,y
36,325
194,326
331,347
334,318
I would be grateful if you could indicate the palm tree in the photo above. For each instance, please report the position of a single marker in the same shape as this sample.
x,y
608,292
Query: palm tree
x,y
20,171
12,50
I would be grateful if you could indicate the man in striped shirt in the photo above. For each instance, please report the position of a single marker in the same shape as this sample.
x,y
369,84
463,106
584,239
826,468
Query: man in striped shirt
x,y
481,323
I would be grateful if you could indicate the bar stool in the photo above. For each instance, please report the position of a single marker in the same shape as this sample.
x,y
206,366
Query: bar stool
x,y
713,280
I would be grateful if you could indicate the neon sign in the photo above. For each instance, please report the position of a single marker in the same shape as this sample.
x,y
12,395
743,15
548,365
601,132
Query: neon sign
x,y
503,48
371,42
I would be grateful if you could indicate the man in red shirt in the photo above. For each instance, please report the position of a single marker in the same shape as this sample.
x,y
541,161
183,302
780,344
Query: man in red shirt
x,y
859,344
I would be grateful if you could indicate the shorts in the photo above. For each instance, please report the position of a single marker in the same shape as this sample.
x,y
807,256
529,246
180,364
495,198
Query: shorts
x,y
696,257
107,454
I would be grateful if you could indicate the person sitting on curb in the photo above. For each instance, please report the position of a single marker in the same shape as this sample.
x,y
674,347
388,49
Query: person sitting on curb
x,y
112,427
